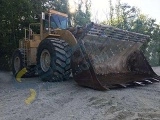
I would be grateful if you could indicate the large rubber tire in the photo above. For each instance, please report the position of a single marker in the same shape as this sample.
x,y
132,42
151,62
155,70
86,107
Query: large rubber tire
x,y
17,61
54,60
18,56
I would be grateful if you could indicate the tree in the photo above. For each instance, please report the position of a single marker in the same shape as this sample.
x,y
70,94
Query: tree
x,y
130,18
82,14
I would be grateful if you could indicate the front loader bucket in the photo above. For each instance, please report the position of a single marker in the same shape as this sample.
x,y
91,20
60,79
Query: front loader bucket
x,y
107,57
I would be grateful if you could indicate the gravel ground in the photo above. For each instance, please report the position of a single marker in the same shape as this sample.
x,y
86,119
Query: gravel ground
x,y
68,101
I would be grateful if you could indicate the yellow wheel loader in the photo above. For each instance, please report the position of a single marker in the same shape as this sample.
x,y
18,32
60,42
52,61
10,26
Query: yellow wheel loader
x,y
99,57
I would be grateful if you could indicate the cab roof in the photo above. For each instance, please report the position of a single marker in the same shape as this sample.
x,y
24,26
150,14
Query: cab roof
x,y
56,12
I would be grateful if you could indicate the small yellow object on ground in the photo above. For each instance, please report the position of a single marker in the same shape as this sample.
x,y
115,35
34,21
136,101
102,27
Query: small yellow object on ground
x,y
20,74
31,98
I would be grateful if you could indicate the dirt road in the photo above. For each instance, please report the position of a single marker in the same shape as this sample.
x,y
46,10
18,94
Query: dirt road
x,y
68,101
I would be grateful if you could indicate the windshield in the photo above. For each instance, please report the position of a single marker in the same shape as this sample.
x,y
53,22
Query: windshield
x,y
58,21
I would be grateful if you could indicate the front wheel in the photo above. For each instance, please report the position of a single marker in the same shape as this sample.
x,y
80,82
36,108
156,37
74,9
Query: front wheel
x,y
53,60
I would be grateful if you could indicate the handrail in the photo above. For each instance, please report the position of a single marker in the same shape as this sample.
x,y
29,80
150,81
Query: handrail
x,y
30,33
30,30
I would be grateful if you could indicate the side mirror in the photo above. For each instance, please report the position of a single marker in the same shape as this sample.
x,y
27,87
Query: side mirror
x,y
43,16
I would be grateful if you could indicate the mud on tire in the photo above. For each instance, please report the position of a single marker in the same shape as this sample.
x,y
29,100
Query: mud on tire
x,y
53,60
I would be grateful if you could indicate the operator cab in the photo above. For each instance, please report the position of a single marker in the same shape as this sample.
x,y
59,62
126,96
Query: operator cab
x,y
55,20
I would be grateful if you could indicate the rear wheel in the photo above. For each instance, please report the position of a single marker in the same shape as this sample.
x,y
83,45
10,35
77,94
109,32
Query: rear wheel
x,y
53,60
18,63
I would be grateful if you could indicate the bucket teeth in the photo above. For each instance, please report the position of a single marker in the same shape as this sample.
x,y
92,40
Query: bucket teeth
x,y
154,80
122,85
139,83
148,81
118,85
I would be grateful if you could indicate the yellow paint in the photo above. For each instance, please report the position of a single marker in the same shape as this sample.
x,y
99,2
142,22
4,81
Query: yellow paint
x,y
20,74
31,98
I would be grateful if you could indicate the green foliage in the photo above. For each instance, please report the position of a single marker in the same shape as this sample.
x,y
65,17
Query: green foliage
x,y
82,18
15,15
130,18
59,5
82,15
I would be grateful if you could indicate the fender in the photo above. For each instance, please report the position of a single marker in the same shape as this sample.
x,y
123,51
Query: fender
x,y
67,36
